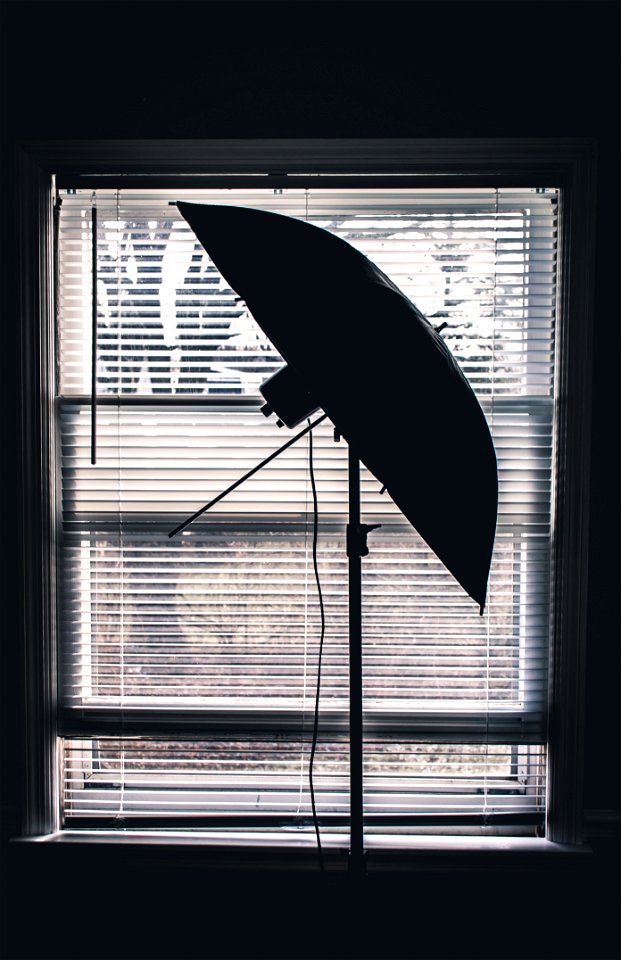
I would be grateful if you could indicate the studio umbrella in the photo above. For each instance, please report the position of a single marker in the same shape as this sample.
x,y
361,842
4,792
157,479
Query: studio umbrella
x,y
357,347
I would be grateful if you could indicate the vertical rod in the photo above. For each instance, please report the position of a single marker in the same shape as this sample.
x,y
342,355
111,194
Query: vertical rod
x,y
356,852
94,335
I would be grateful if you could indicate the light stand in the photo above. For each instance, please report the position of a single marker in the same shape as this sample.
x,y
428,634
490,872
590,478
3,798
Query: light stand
x,y
356,550
356,540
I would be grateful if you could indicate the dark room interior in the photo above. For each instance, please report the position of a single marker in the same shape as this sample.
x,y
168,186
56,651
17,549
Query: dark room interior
x,y
293,71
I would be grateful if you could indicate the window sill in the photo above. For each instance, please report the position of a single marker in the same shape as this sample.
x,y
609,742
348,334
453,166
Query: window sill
x,y
289,851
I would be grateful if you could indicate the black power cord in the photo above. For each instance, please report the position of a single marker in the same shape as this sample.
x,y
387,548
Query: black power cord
x,y
321,639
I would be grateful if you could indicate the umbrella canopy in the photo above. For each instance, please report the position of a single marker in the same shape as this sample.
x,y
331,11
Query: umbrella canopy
x,y
413,420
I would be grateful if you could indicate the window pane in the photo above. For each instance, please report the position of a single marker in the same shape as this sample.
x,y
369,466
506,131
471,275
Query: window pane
x,y
168,323
238,781
230,609
223,622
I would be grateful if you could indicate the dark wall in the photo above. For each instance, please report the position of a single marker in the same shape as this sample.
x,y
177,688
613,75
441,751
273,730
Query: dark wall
x,y
342,69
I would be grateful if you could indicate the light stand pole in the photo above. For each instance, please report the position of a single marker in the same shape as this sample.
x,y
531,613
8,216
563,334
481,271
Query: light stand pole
x,y
356,785
356,549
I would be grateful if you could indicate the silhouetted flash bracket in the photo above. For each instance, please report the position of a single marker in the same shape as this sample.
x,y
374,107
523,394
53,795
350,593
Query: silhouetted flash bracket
x,y
357,348
246,476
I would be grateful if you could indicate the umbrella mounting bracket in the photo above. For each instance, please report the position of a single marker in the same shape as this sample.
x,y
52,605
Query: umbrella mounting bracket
x,y
250,473
357,538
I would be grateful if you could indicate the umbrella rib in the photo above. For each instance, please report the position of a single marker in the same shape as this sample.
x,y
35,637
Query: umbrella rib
x,y
250,473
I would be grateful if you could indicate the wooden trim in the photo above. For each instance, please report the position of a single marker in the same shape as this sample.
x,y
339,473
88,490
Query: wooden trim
x,y
571,499
35,268
463,157
569,164
300,181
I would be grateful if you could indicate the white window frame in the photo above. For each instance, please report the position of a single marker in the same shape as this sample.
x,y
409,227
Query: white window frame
x,y
566,164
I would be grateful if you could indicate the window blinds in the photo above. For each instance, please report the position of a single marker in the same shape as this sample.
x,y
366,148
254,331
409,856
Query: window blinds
x,y
262,782
480,260
217,630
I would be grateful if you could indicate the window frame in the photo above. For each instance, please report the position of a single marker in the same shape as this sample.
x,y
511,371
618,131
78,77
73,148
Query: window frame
x,y
566,164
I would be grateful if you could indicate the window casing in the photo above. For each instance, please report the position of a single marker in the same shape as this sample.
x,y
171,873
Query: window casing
x,y
397,738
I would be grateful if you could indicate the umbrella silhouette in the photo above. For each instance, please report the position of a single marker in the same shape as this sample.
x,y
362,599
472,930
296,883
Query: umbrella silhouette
x,y
357,347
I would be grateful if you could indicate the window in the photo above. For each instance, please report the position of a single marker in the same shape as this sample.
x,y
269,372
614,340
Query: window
x,y
187,666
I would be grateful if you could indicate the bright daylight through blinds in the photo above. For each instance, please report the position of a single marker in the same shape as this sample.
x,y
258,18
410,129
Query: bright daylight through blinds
x,y
188,665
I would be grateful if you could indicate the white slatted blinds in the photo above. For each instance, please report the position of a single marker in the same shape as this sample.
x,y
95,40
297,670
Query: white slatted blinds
x,y
188,665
